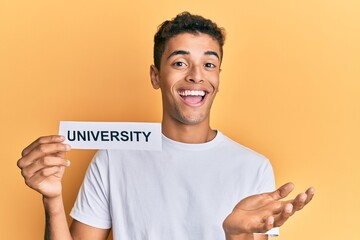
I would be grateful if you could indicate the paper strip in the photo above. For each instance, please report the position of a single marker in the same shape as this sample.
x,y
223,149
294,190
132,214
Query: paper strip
x,y
112,135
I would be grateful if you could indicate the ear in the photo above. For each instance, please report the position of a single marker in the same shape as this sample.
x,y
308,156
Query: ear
x,y
154,76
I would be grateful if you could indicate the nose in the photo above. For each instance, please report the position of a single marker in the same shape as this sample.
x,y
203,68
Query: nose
x,y
195,75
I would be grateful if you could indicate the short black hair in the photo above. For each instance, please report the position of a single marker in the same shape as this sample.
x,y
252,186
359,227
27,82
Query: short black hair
x,y
185,22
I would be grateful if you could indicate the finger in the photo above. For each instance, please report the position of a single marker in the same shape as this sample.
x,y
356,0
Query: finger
x,y
282,191
281,218
42,150
46,162
60,154
265,225
299,201
302,199
274,208
43,140
269,223
44,173
310,194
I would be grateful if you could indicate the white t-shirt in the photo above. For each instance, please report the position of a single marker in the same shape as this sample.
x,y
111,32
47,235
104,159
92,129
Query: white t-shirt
x,y
183,192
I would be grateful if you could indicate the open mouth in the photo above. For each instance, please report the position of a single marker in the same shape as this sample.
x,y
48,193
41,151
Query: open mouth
x,y
192,96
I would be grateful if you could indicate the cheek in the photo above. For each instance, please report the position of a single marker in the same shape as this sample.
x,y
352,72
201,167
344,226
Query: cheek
x,y
214,82
166,86
169,80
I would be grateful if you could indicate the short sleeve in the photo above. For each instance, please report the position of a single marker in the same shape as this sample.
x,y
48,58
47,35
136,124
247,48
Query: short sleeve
x,y
267,184
267,179
92,204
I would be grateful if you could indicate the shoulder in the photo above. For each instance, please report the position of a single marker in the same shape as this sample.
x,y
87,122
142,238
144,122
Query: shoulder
x,y
236,149
100,160
100,156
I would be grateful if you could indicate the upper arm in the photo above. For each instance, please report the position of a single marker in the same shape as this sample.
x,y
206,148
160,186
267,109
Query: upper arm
x,y
81,231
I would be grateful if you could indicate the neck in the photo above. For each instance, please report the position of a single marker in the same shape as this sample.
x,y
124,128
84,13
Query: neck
x,y
185,133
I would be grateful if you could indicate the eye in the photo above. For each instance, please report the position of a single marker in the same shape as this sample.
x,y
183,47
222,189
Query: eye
x,y
209,65
179,64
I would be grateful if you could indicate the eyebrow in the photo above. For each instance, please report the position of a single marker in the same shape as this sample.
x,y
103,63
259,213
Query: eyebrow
x,y
178,52
183,52
213,53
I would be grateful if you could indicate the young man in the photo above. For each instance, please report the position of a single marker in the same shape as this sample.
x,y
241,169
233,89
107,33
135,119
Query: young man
x,y
186,191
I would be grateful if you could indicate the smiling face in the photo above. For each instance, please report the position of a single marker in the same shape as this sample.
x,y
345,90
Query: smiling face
x,y
188,78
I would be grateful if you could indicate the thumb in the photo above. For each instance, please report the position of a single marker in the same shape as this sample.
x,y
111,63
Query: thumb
x,y
282,191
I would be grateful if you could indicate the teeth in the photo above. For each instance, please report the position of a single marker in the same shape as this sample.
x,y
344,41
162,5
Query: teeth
x,y
185,93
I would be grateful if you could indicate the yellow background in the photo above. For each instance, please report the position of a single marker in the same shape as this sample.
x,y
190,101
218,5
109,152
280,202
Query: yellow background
x,y
289,89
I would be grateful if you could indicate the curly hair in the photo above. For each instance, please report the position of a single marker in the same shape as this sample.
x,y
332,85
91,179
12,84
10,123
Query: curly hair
x,y
185,22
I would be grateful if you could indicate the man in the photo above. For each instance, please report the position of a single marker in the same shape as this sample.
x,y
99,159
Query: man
x,y
186,191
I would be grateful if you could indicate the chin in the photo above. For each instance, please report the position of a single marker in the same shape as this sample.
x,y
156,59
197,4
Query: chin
x,y
193,120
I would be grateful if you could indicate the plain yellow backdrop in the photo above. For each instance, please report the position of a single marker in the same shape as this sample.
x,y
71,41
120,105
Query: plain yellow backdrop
x,y
290,89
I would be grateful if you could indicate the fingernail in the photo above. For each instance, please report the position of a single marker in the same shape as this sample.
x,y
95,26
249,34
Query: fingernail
x,y
67,147
68,163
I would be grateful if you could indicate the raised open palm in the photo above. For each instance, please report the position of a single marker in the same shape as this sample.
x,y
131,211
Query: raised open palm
x,y
259,213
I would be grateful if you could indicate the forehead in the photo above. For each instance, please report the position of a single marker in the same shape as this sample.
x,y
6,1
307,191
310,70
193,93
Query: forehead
x,y
193,43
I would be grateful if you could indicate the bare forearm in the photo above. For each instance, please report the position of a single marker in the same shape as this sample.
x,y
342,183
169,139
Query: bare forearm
x,y
56,227
244,236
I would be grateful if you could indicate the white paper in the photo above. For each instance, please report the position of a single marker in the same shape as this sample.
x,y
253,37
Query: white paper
x,y
112,135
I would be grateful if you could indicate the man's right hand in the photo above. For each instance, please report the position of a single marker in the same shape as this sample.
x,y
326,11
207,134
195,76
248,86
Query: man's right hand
x,y
43,165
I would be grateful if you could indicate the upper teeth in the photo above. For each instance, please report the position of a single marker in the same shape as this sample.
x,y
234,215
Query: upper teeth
x,y
185,93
